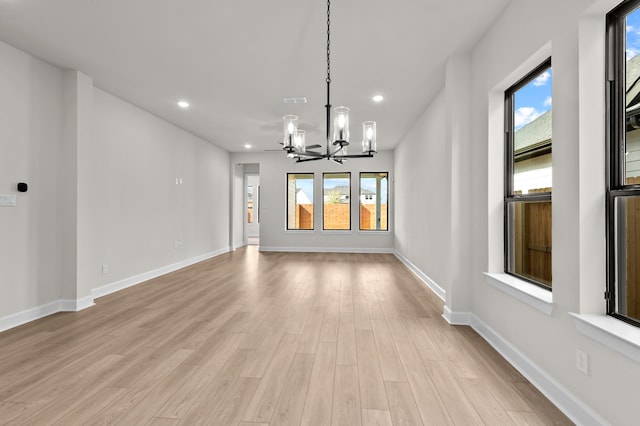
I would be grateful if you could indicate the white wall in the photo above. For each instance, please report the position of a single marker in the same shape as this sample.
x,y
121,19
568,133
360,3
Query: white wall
x,y
31,140
543,346
139,214
102,191
422,233
273,176
236,211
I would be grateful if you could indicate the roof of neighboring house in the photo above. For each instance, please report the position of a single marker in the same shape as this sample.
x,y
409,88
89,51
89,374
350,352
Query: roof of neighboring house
x,y
340,189
345,190
633,72
534,135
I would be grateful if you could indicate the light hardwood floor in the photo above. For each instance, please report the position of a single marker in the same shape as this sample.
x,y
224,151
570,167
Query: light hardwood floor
x,y
250,339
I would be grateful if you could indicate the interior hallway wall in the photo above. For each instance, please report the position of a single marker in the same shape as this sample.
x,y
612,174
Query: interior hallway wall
x,y
114,192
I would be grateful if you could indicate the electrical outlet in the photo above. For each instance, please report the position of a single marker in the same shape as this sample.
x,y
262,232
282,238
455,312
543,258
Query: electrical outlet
x,y
582,361
105,269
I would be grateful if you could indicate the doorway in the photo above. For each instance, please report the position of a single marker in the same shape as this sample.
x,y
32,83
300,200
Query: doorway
x,y
252,208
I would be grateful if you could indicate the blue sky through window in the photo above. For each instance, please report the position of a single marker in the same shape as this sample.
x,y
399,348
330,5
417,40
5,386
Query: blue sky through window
x,y
533,100
633,34
306,185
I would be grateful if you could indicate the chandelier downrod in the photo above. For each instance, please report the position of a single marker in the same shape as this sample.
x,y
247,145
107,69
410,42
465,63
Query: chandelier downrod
x,y
294,140
328,104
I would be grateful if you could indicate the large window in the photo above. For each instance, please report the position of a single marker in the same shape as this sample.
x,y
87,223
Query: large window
x,y
623,180
336,189
373,201
528,107
299,200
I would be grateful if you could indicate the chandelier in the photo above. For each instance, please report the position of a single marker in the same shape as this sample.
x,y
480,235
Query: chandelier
x,y
294,143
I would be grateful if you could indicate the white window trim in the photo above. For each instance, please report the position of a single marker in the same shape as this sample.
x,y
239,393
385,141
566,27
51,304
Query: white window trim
x,y
610,332
337,231
531,294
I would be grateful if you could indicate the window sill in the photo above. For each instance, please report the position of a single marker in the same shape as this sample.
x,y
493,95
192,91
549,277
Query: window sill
x,y
528,293
372,232
337,231
610,332
299,231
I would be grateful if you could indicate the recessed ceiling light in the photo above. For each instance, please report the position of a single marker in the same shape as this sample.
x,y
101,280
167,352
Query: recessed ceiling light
x,y
247,146
183,104
378,98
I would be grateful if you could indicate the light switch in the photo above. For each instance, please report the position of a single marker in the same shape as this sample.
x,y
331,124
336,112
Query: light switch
x,y
8,200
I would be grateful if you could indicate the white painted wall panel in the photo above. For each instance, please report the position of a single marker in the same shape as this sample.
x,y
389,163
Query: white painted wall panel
x,y
141,219
30,145
423,201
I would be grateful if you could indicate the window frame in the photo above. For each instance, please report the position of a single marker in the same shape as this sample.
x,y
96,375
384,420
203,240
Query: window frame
x,y
615,161
324,174
509,169
313,179
360,202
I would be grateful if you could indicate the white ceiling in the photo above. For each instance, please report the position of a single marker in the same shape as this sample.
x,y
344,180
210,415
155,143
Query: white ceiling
x,y
235,60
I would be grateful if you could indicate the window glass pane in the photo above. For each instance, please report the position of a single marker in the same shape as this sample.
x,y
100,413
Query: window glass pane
x,y
300,201
337,201
529,229
532,141
632,98
373,201
627,254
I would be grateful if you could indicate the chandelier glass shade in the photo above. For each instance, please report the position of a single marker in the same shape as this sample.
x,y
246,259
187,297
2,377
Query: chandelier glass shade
x,y
294,143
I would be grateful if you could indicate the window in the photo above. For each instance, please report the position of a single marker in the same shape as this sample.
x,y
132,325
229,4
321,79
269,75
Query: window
x,y
373,201
623,177
528,107
299,201
337,201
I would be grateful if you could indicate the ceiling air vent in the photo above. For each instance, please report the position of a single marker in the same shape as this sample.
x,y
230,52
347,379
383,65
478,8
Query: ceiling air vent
x,y
295,100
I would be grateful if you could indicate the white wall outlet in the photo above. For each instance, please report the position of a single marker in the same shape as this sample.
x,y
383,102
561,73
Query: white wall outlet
x,y
105,269
582,361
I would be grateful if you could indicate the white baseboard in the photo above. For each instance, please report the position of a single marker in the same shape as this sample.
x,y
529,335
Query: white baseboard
x,y
328,249
579,412
439,291
29,315
146,276
71,305
456,318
